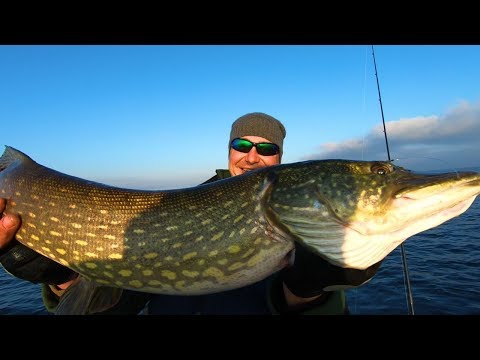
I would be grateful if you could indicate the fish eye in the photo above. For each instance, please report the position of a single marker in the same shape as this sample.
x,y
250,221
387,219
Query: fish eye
x,y
381,169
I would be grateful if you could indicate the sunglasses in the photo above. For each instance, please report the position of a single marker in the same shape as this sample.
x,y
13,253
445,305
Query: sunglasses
x,y
263,148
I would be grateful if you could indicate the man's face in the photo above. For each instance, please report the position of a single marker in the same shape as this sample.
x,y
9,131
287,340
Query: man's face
x,y
239,162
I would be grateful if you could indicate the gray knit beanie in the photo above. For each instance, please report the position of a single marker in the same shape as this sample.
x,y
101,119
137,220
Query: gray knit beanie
x,y
259,124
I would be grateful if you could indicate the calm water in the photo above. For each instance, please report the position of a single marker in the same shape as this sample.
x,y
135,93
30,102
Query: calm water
x,y
443,265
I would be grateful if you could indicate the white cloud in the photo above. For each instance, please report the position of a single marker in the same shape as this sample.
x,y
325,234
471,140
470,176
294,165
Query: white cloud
x,y
452,139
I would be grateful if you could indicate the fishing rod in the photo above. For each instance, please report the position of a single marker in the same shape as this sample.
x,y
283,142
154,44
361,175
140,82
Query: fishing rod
x,y
404,257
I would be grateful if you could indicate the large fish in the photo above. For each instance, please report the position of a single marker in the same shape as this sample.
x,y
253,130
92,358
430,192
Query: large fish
x,y
229,233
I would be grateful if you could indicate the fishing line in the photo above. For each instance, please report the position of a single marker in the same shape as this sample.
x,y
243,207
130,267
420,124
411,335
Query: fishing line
x,y
404,257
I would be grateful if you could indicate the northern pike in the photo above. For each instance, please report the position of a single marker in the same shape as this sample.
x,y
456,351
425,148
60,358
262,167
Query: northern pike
x,y
230,233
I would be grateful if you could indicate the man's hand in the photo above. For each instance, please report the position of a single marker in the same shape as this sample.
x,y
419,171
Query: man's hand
x,y
311,275
21,261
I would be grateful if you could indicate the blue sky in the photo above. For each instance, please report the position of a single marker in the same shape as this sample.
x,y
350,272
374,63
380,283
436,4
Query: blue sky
x,y
159,116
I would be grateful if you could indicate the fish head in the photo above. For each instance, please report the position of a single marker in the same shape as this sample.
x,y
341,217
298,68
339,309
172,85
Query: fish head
x,y
354,213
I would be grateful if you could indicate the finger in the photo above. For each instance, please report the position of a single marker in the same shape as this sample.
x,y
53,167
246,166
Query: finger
x,y
9,224
3,202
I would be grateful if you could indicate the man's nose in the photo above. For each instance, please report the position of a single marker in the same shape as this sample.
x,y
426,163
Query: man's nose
x,y
252,156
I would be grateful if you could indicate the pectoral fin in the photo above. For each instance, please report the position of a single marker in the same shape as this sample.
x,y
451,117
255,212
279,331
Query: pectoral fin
x,y
84,297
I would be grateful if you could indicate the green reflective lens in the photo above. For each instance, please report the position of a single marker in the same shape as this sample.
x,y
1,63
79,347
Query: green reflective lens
x,y
265,149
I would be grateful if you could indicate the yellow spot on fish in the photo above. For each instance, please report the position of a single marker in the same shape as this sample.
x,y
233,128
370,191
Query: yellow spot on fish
x,y
142,243
180,284
201,262
189,255
76,226
228,203
119,283
138,266
115,256
188,233
222,261
170,228
54,233
255,259
45,249
17,193
32,215
125,273
248,252
103,227
31,225
233,249
108,274
244,204
249,221
147,272
238,218
90,265
65,242
90,235
157,264
109,237
34,237
28,243
81,242
168,258
151,255
217,236
114,222
225,217
199,238
103,211
136,283
72,206
54,219
236,266
213,272
63,262
154,283
177,245
90,254
206,222
254,230
76,252
19,237
99,248
138,231
169,274
61,251
213,253
108,266
242,230
190,274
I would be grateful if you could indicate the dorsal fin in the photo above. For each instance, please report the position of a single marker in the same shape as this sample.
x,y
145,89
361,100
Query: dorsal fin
x,y
10,155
